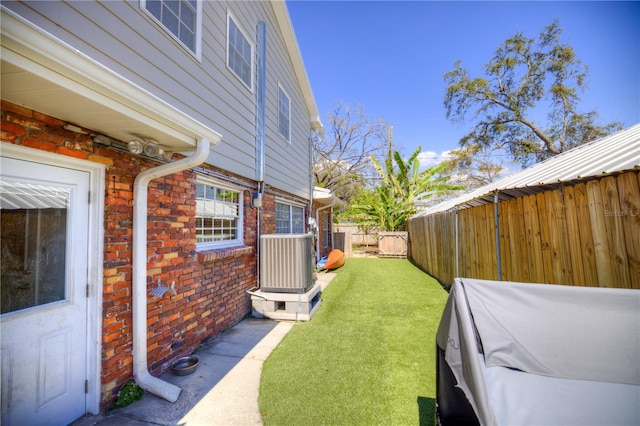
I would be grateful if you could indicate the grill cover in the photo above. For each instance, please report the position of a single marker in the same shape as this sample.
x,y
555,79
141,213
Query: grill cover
x,y
539,354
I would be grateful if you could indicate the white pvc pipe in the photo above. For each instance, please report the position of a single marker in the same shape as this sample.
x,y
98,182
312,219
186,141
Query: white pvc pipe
x,y
140,186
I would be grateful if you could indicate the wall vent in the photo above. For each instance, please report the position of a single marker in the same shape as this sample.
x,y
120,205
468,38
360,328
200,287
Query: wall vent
x,y
286,263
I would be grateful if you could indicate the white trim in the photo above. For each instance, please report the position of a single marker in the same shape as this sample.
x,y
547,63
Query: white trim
x,y
291,204
281,89
197,53
95,256
231,16
239,241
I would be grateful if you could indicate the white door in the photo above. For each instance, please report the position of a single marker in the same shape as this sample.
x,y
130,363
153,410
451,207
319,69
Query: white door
x,y
43,317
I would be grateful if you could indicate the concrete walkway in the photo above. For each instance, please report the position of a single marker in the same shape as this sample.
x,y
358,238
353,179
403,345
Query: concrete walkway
x,y
222,391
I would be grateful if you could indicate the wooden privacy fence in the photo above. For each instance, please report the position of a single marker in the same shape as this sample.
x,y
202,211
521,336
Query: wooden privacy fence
x,y
585,234
358,236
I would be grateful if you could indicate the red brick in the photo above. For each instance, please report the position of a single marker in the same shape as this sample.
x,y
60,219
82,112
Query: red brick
x,y
72,152
48,137
8,106
27,122
44,146
12,128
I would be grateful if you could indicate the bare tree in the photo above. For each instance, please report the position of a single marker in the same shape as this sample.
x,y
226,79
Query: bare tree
x,y
342,151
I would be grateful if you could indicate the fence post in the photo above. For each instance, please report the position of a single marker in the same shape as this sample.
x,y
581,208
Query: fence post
x,y
495,210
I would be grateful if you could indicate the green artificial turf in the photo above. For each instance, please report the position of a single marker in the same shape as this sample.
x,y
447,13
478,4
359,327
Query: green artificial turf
x,y
368,355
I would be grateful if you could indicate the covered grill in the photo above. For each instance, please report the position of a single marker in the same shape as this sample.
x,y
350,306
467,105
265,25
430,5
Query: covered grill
x,y
518,353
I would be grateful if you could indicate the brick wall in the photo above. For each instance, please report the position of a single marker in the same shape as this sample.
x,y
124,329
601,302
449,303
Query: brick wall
x,y
210,285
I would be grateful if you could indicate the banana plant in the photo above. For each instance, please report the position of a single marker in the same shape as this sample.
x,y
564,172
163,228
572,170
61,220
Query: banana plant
x,y
402,184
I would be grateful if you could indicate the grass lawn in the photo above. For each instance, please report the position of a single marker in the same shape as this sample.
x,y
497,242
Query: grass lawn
x,y
368,355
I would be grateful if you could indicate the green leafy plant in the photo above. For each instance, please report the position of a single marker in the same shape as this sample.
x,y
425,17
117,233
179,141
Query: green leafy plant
x,y
391,203
130,393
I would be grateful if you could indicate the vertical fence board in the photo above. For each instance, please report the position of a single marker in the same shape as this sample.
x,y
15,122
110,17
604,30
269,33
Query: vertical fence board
x,y
481,236
589,260
532,235
543,222
469,248
506,240
582,234
558,238
523,253
614,233
573,237
599,231
491,254
630,204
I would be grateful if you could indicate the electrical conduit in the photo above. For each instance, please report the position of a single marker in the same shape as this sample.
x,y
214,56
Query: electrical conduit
x,y
140,369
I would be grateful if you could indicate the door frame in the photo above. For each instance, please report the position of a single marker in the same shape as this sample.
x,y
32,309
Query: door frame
x,y
95,256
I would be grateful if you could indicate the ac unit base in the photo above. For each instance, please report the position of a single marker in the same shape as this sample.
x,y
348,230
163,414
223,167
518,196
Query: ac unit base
x,y
286,306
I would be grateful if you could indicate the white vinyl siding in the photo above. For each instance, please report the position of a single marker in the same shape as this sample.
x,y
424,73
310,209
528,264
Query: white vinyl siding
x,y
182,18
289,218
130,41
239,53
218,215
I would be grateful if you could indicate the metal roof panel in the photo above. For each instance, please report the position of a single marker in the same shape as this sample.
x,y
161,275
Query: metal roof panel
x,y
612,154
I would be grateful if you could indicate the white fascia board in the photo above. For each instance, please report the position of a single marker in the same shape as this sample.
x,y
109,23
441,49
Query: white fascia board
x,y
291,42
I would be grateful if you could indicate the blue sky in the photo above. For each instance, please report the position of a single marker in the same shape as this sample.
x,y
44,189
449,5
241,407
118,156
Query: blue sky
x,y
390,56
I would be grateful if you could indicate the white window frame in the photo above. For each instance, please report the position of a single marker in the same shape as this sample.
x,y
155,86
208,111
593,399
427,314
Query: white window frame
x,y
197,48
231,17
281,91
325,229
291,206
239,240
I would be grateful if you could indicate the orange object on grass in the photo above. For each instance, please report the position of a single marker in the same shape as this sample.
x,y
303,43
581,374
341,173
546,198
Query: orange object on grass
x,y
335,259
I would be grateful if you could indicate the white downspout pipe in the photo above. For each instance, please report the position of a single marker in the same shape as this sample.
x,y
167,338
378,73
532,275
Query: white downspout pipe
x,y
140,186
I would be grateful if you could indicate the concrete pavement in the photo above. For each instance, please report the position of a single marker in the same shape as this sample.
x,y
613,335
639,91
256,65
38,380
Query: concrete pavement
x,y
224,388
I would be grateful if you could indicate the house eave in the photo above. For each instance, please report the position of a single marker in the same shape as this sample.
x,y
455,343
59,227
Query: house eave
x,y
43,73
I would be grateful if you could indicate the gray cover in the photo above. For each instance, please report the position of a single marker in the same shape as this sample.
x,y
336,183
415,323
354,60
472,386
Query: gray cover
x,y
544,354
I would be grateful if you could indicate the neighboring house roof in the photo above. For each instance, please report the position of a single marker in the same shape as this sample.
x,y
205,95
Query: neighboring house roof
x,y
290,40
325,197
612,154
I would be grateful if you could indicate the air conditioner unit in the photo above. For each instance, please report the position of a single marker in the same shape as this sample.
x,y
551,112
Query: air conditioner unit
x,y
286,263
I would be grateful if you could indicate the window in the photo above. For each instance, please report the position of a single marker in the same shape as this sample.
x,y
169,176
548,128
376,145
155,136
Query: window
x,y
218,216
35,228
289,219
284,114
239,53
180,17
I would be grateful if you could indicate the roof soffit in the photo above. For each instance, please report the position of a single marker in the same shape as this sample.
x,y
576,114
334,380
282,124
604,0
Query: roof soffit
x,y
43,73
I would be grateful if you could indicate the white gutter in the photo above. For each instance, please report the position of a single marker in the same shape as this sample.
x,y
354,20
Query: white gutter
x,y
140,370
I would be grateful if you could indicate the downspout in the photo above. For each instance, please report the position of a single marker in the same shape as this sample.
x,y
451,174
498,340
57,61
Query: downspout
x,y
495,214
333,202
261,75
140,186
